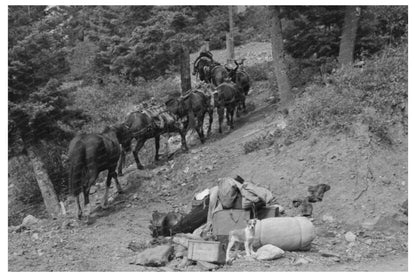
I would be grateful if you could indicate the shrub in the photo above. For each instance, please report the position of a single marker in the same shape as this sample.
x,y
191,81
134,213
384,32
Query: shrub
x,y
380,86
261,142
260,71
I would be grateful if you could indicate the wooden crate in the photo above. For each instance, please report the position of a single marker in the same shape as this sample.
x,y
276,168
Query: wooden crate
x,y
267,212
226,220
208,251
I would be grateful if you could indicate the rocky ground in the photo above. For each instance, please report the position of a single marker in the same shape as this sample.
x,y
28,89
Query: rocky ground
x,y
360,223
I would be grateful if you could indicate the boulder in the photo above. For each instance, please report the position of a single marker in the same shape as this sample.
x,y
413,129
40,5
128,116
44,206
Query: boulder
x,y
158,256
350,237
328,218
207,266
29,220
269,252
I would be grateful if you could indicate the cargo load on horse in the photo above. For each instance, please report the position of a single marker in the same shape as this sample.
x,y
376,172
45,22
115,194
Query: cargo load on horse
x,y
151,122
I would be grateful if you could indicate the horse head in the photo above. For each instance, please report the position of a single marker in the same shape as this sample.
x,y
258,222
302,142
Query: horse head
x,y
233,72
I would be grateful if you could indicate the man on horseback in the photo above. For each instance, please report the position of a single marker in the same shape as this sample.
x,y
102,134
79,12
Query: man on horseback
x,y
206,57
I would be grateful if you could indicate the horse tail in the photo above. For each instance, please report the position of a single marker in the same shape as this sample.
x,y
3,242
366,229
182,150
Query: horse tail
x,y
77,167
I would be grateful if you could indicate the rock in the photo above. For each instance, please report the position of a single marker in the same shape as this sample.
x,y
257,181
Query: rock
x,y
368,241
35,236
325,253
158,256
183,239
369,224
29,220
207,266
328,218
269,252
135,246
300,261
180,251
385,180
388,223
69,224
350,237
184,263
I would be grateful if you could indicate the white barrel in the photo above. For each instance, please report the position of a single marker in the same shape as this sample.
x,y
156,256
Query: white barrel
x,y
287,233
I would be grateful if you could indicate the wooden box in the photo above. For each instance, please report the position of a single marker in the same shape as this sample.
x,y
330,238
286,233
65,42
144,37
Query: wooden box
x,y
208,251
266,212
226,220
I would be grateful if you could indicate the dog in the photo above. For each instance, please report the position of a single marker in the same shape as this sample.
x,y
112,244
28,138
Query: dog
x,y
245,235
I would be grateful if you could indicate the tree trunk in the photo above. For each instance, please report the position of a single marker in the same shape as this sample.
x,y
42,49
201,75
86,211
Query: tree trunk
x,y
230,36
349,32
45,185
185,70
279,64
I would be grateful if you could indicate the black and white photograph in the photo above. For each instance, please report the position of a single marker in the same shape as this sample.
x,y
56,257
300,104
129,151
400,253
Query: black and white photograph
x,y
207,137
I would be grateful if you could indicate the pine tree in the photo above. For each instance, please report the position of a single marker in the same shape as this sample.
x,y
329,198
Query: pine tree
x,y
279,64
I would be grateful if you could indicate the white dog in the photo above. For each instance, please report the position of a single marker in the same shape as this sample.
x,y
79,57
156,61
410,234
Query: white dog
x,y
245,235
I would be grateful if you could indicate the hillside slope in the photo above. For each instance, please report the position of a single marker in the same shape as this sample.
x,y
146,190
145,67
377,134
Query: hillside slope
x,y
368,183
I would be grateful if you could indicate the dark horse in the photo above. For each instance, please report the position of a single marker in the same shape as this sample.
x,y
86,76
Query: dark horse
x,y
89,154
210,71
144,127
242,80
225,98
195,104
217,75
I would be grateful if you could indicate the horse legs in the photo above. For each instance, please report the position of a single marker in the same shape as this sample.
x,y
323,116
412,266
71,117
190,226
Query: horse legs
x,y
78,206
230,117
139,145
121,162
111,174
200,128
182,133
220,111
118,186
92,177
211,118
157,146
104,202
